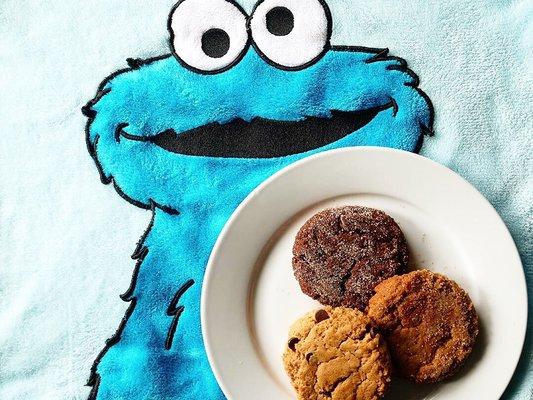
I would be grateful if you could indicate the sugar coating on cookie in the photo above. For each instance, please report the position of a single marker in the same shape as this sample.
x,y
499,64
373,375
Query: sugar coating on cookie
x,y
341,254
429,322
335,354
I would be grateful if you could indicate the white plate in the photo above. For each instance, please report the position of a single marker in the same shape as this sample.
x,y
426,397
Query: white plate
x,y
250,296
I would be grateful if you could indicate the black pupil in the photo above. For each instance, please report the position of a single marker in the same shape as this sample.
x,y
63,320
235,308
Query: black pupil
x,y
215,43
280,21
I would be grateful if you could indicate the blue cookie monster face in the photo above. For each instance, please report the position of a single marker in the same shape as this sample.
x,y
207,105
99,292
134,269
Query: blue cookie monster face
x,y
241,97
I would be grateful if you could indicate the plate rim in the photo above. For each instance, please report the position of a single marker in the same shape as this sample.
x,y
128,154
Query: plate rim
x,y
207,282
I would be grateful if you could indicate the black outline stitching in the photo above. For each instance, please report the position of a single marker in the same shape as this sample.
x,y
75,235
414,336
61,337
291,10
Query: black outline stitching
x,y
327,43
126,296
427,129
419,144
134,63
94,377
394,106
175,312
118,129
140,244
95,386
201,71
380,53
173,325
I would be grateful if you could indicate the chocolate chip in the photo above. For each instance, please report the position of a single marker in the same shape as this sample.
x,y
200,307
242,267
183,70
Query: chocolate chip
x,y
364,332
292,343
362,335
321,315
308,356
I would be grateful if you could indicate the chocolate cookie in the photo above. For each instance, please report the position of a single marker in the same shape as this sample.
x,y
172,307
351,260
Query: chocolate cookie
x,y
334,353
341,254
429,322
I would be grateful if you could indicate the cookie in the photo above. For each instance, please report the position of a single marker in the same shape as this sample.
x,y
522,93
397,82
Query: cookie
x,y
429,322
335,353
341,254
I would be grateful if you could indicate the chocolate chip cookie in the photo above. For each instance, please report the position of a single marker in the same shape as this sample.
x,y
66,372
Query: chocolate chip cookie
x,y
335,353
429,322
341,254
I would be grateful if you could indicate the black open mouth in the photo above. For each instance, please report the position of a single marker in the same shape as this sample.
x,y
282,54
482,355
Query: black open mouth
x,y
261,138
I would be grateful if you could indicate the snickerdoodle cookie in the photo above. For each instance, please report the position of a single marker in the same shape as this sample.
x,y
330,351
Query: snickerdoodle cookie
x,y
429,322
335,354
341,254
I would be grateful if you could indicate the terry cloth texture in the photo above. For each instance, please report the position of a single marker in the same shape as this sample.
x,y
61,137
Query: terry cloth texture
x,y
65,237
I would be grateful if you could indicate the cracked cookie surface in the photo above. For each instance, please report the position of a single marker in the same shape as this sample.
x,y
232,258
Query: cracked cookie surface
x,y
429,322
341,254
335,354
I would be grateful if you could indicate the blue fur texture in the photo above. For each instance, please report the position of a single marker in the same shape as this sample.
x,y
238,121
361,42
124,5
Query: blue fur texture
x,y
193,196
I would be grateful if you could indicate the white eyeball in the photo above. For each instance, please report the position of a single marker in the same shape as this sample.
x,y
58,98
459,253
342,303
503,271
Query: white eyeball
x,y
291,34
208,35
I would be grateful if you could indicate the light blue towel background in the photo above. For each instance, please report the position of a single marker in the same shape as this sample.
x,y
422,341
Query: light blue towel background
x,y
65,239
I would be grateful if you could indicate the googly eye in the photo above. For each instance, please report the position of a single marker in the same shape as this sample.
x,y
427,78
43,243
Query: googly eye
x,y
291,34
208,35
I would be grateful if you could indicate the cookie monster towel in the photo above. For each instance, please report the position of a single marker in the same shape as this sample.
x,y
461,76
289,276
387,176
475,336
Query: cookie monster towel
x,y
189,134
